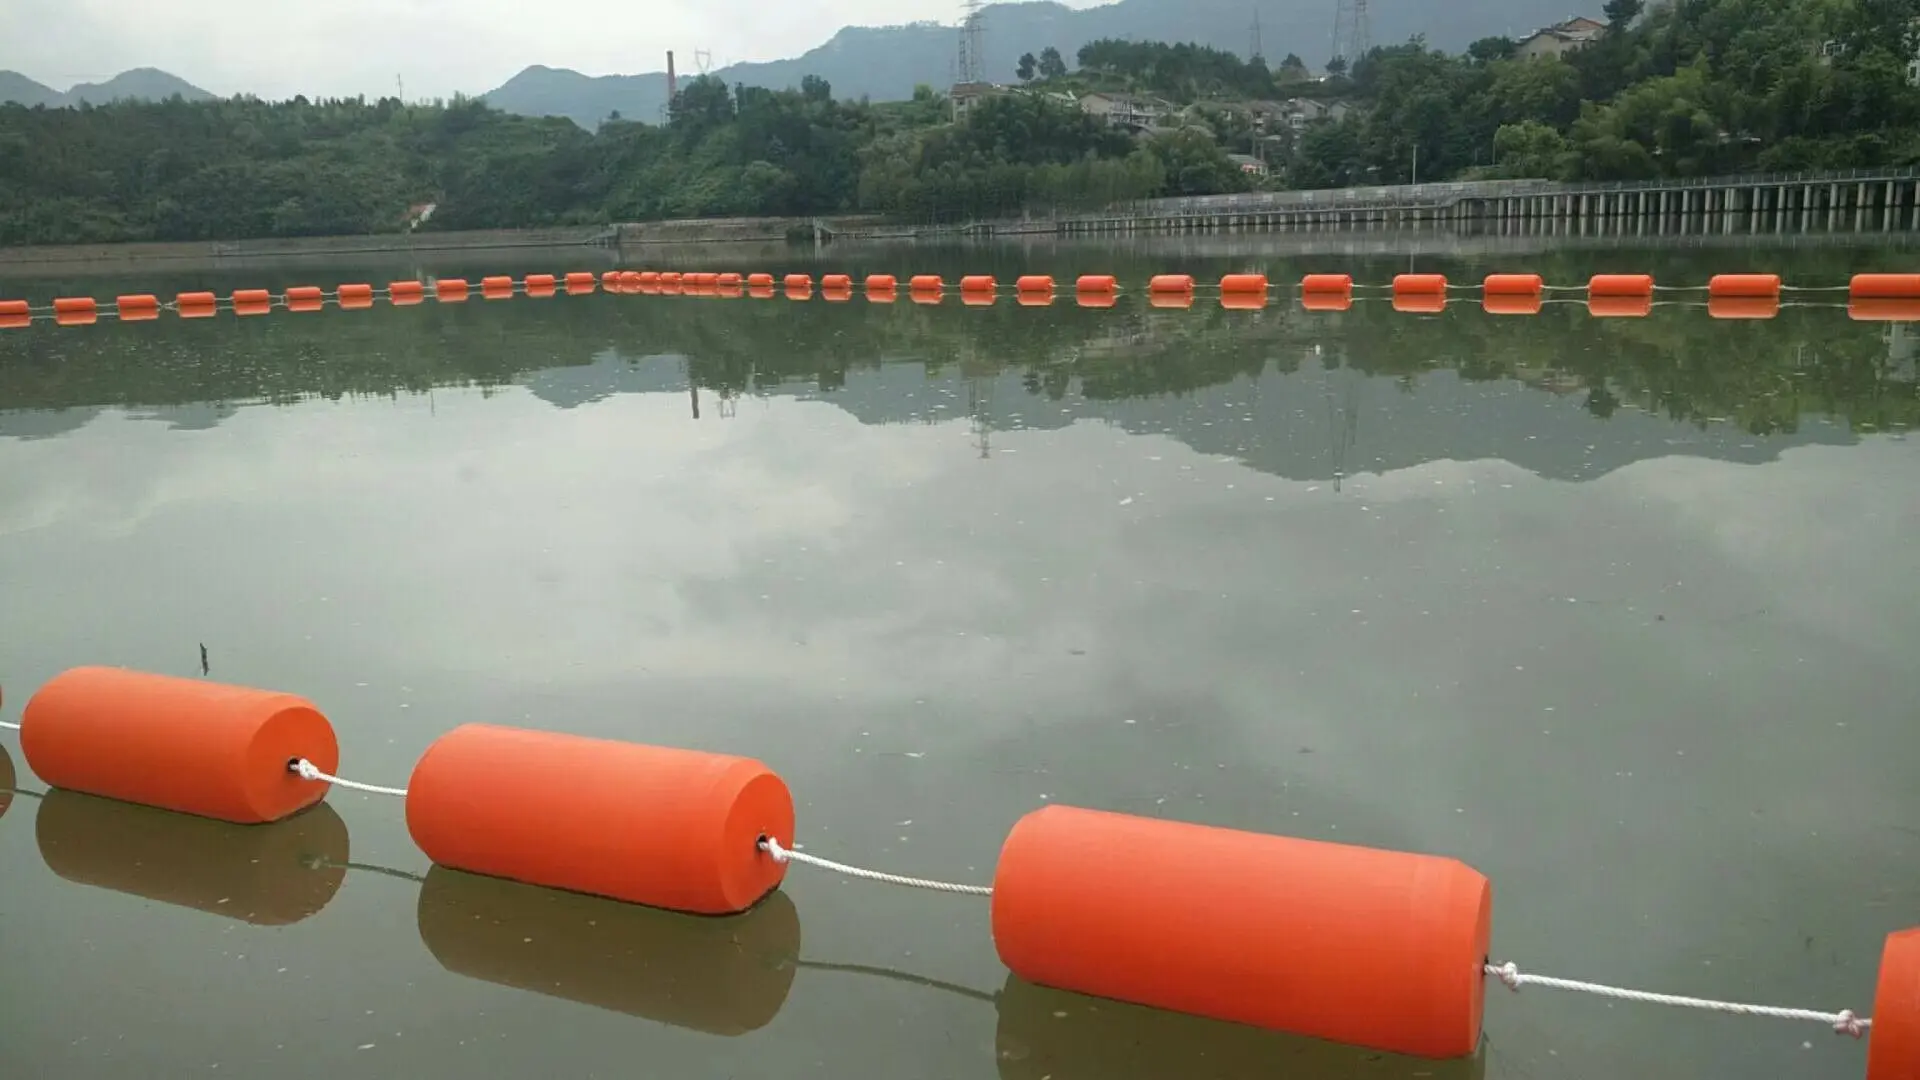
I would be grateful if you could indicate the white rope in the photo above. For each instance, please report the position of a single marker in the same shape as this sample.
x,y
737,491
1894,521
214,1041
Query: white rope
x,y
780,854
9,727
1843,1022
307,771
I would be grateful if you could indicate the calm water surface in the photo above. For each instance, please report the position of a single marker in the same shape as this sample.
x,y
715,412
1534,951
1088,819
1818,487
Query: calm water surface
x,y
1620,612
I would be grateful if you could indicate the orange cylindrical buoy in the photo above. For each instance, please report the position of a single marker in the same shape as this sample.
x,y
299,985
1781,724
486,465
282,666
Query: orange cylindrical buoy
x,y
1033,283
1620,305
1326,301
669,828
404,293
198,747
542,284
305,298
1096,283
496,287
838,295
1743,307
1511,303
973,283
1170,283
1884,287
1243,284
580,282
759,281
926,283
1512,285
728,280
836,281
1744,286
1620,285
1874,309
450,290
266,875
1356,945
1327,283
15,313
1893,1049
196,305
613,281
75,310
137,307
882,283
252,302
1420,285
797,281
726,976
356,296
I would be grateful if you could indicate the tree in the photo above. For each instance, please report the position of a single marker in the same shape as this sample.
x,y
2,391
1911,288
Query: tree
x,y
1052,64
1025,70
1489,49
1621,13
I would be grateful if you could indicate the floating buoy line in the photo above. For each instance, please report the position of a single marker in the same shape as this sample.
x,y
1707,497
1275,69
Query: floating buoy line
x,y
1367,947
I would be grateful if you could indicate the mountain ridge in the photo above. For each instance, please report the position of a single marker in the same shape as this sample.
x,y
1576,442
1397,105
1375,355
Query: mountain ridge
x,y
136,84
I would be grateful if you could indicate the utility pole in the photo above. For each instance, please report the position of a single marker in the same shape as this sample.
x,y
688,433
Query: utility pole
x,y
1256,54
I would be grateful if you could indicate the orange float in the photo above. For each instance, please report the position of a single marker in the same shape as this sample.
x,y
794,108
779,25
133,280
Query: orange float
x,y
836,281
137,307
1620,305
728,281
406,293
654,825
838,295
1356,945
725,976
1243,301
265,875
1096,283
580,282
667,284
979,298
1744,286
1893,1050
611,281
882,283
978,283
75,310
1884,287
759,281
1628,285
1420,303
356,296
197,747
1170,283
927,296
15,313
252,302
1096,298
1034,299
1512,285
305,298
925,282
496,288
450,290
1033,283
796,281
1327,283
196,305
542,284
1420,285
1243,284
1326,301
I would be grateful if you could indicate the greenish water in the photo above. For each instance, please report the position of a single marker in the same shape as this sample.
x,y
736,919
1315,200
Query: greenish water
x,y
1621,612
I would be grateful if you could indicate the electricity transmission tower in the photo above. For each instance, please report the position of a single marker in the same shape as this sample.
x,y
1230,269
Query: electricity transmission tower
x,y
973,61
1352,35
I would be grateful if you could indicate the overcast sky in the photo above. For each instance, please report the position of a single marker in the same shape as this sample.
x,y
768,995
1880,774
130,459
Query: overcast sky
x,y
332,48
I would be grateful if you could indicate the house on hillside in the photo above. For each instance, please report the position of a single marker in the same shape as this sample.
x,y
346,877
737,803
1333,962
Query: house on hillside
x,y
1248,164
1553,42
965,96
1127,110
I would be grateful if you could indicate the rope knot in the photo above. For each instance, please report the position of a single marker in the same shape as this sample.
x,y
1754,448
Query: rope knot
x,y
1846,1023
305,769
772,847
1509,973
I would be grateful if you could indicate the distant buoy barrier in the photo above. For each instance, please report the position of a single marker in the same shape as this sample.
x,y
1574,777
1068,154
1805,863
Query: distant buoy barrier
x,y
1353,945
1868,297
